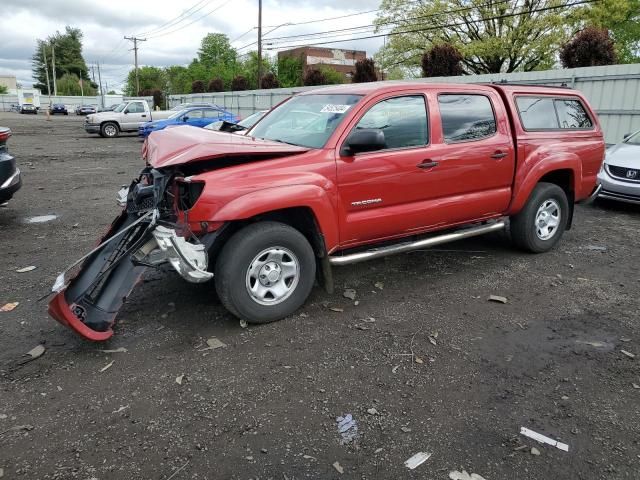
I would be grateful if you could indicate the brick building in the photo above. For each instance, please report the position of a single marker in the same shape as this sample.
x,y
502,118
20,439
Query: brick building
x,y
340,60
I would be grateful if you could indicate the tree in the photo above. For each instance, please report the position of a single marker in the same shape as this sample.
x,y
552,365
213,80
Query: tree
x,y
111,92
270,81
68,56
215,50
492,37
239,83
69,84
158,97
178,79
622,19
331,76
3,90
290,71
365,71
197,86
150,78
442,60
215,85
314,77
249,68
588,48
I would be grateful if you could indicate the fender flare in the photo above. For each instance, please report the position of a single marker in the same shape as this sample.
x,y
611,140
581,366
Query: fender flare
x,y
117,124
524,186
320,201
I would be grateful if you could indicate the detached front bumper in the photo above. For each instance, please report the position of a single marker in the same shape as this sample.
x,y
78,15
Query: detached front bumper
x,y
142,236
91,127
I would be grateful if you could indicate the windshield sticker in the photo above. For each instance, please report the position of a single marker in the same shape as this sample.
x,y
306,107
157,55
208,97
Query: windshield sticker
x,y
335,108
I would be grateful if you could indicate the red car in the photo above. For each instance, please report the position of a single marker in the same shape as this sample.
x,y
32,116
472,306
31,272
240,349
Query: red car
x,y
336,176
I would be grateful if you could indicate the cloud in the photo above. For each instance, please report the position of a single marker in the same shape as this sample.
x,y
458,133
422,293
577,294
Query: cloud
x,y
104,24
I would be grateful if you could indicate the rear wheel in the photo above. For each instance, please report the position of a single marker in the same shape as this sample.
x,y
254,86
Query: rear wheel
x,y
542,221
265,272
109,130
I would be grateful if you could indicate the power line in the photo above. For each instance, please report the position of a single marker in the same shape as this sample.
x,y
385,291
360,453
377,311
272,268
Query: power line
x,y
279,45
392,22
191,23
187,13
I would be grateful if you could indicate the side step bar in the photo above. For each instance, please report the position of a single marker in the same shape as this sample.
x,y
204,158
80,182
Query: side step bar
x,y
424,243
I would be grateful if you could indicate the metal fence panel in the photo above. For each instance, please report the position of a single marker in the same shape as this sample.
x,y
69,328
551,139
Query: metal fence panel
x,y
613,91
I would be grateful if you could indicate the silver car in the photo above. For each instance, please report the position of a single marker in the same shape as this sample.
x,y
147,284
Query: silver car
x,y
619,176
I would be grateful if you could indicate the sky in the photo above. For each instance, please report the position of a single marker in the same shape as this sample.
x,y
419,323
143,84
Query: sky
x,y
171,39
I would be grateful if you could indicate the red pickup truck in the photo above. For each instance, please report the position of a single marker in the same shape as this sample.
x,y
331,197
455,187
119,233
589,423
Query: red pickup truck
x,y
337,176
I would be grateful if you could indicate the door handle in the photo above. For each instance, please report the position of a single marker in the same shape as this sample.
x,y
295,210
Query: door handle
x,y
144,116
499,155
427,164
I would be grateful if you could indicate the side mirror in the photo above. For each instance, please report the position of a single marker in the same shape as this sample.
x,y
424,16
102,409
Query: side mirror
x,y
126,110
185,118
364,140
625,136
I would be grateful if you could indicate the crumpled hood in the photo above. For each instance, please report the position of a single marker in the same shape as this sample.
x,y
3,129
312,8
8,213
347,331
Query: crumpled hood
x,y
624,155
185,144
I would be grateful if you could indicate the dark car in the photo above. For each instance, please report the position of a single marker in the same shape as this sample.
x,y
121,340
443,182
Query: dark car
x,y
85,109
58,108
28,108
10,181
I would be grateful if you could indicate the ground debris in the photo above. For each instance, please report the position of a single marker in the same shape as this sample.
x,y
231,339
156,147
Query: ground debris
x,y
36,352
107,366
349,293
535,451
243,323
372,411
7,307
179,379
347,428
336,309
338,467
463,475
115,350
213,343
627,354
497,298
417,460
379,285
26,269
543,439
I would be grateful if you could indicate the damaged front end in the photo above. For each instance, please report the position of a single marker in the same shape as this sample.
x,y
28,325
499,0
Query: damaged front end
x,y
151,231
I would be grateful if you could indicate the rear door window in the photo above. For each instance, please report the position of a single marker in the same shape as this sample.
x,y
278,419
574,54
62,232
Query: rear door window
x,y
466,117
135,107
537,113
572,114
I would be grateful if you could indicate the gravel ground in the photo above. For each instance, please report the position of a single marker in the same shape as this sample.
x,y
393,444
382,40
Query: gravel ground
x,y
420,359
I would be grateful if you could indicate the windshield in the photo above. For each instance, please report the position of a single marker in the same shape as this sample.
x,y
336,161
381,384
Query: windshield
x,y
306,120
633,139
120,107
177,114
251,120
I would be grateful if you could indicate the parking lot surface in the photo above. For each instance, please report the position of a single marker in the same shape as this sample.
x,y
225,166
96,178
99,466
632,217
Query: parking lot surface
x,y
421,359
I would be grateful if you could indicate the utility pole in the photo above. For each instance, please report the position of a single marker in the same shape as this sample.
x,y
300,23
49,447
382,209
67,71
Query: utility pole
x,y
93,74
135,41
100,82
46,70
53,61
259,42
81,86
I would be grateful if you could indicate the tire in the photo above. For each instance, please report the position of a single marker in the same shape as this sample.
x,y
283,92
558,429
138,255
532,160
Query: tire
x,y
540,224
109,130
247,259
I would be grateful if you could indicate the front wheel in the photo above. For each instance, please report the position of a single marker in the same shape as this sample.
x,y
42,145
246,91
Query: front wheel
x,y
109,130
265,272
540,224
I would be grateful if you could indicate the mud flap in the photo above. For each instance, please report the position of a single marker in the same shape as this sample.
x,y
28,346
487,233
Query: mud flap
x,y
91,301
